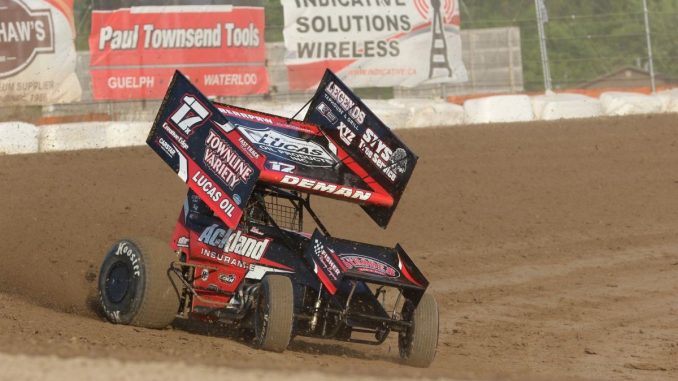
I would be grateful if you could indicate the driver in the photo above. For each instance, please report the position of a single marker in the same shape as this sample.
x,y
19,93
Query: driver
x,y
198,214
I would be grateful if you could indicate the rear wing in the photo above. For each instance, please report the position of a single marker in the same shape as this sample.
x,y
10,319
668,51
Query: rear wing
x,y
338,260
197,141
345,119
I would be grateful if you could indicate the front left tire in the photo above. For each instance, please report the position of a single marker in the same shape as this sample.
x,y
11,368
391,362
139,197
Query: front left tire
x,y
135,286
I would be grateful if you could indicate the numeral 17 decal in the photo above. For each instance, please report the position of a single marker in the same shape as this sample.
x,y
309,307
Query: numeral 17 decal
x,y
190,114
281,167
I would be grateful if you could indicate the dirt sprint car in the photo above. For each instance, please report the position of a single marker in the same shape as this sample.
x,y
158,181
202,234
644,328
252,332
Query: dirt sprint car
x,y
254,268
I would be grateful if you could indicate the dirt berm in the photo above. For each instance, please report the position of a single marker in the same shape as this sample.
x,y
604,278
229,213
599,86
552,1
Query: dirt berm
x,y
552,249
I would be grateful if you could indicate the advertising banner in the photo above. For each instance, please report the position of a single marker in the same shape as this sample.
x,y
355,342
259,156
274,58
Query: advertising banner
x,y
135,51
373,43
37,53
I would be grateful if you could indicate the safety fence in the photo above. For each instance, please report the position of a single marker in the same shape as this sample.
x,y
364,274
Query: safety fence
x,y
111,60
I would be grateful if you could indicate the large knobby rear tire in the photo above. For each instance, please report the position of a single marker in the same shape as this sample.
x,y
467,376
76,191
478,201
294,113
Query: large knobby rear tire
x,y
418,344
134,284
274,313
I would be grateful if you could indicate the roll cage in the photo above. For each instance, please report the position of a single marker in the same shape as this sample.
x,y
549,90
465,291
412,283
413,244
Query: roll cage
x,y
281,209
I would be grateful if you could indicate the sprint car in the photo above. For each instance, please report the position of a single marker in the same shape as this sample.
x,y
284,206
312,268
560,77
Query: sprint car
x,y
255,268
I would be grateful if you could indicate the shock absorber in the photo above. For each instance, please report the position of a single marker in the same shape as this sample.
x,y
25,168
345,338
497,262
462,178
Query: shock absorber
x,y
316,309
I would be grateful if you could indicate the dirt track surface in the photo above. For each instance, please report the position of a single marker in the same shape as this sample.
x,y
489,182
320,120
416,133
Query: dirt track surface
x,y
552,249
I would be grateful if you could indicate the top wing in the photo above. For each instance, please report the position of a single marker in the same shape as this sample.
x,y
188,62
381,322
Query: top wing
x,y
221,151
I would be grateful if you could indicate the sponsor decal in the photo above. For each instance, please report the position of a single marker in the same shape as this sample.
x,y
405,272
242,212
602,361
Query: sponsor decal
x,y
24,33
226,259
237,199
227,278
225,162
167,147
345,101
304,152
237,243
323,254
205,274
399,161
326,112
368,265
329,188
126,250
248,148
345,134
213,192
189,115
182,241
179,139
382,156
248,116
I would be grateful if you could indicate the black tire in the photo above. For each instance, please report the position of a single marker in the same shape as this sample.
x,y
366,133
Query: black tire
x,y
134,285
274,313
419,343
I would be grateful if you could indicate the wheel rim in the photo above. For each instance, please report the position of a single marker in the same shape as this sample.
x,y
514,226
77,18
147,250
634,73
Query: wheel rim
x,y
118,282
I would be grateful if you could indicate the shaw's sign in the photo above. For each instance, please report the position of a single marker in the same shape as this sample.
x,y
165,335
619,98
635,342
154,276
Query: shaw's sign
x,y
24,33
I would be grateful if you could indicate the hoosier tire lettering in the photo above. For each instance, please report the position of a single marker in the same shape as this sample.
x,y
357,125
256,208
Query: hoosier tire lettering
x,y
134,285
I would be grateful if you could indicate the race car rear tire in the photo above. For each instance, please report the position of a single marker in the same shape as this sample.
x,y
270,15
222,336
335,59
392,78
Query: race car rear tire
x,y
274,313
134,284
418,344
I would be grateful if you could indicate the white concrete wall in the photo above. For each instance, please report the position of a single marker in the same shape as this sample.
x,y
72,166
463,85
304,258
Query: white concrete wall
x,y
19,137
565,106
619,103
498,109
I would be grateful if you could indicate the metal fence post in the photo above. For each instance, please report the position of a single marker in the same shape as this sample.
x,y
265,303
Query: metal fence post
x,y
649,46
542,17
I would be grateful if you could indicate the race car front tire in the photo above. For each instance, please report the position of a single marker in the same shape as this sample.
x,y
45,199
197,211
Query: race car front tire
x,y
418,344
274,313
134,284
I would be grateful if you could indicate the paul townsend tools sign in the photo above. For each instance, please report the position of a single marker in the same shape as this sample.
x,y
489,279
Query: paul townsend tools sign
x,y
135,51
373,43
37,55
